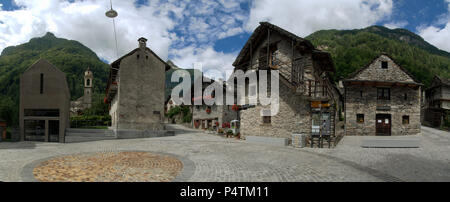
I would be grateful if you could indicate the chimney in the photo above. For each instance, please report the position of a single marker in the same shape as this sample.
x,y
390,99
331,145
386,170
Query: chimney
x,y
142,42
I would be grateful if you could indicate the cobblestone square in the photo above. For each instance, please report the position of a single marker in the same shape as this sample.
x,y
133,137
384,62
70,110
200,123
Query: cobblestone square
x,y
193,156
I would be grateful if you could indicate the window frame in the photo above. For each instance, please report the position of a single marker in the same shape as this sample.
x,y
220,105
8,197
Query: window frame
x,y
405,120
384,95
384,65
267,120
359,117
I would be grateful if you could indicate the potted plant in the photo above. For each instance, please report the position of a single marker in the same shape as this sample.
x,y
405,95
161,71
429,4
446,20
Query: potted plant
x,y
208,110
229,133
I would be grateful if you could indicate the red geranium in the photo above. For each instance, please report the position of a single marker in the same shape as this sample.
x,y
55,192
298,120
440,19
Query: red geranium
x,y
226,125
235,107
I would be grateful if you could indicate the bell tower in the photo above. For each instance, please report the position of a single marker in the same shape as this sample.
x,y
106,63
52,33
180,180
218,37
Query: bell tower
x,y
88,80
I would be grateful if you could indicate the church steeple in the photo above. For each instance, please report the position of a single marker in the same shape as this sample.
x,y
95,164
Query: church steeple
x,y
88,84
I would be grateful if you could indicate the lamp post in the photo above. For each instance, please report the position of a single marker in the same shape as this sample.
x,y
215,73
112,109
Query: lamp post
x,y
113,14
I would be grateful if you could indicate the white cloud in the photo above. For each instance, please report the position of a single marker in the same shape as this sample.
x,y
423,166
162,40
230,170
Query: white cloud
x,y
210,59
437,36
168,24
184,31
85,21
304,17
395,25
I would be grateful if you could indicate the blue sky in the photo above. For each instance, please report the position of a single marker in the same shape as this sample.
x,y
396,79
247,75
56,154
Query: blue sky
x,y
210,31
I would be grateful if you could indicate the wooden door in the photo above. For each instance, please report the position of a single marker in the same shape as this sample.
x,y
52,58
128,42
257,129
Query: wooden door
x,y
383,125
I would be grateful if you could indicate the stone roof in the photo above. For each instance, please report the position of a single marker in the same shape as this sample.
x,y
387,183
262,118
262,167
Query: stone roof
x,y
261,31
355,74
444,81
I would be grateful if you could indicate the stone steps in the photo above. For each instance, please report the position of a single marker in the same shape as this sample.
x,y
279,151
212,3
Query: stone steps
x,y
87,135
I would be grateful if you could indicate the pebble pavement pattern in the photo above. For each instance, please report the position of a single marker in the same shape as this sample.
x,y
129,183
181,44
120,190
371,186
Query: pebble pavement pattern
x,y
109,167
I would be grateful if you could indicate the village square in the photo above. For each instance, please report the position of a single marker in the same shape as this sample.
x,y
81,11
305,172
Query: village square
x,y
378,124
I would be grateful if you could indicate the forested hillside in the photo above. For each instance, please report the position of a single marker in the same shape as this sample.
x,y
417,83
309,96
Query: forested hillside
x,y
353,49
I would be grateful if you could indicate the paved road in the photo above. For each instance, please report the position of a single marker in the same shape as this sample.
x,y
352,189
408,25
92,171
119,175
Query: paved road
x,y
431,162
216,159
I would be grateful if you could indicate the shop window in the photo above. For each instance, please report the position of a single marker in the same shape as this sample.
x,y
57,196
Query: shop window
x,y
360,118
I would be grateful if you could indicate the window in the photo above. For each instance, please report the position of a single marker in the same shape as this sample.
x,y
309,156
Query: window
x,y
88,82
406,96
405,120
273,55
384,94
267,119
138,56
360,118
42,83
42,112
361,93
384,65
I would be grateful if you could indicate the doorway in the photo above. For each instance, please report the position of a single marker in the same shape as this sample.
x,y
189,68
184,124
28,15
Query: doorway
x,y
383,125
53,131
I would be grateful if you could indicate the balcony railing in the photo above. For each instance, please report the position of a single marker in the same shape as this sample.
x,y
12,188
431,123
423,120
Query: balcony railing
x,y
317,89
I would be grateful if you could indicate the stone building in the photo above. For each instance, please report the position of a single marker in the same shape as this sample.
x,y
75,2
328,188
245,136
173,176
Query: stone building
x,y
211,117
382,99
437,102
84,102
135,92
307,95
44,103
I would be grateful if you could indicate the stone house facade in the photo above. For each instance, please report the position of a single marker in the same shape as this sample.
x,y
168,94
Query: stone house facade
x,y
44,103
307,95
135,92
437,102
382,99
211,117
84,102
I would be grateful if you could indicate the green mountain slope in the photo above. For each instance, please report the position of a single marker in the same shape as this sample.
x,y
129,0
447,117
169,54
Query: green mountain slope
x,y
353,49
71,57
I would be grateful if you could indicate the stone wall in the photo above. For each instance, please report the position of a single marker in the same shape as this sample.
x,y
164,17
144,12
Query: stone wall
x,y
293,117
368,103
221,113
375,73
295,108
141,92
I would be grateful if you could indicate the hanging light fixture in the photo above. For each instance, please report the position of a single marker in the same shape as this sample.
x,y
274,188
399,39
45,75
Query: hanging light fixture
x,y
113,14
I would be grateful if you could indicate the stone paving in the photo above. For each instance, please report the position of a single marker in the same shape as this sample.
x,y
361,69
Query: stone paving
x,y
210,158
109,167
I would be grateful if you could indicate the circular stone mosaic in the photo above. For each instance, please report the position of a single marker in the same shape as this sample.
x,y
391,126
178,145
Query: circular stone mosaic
x,y
109,167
